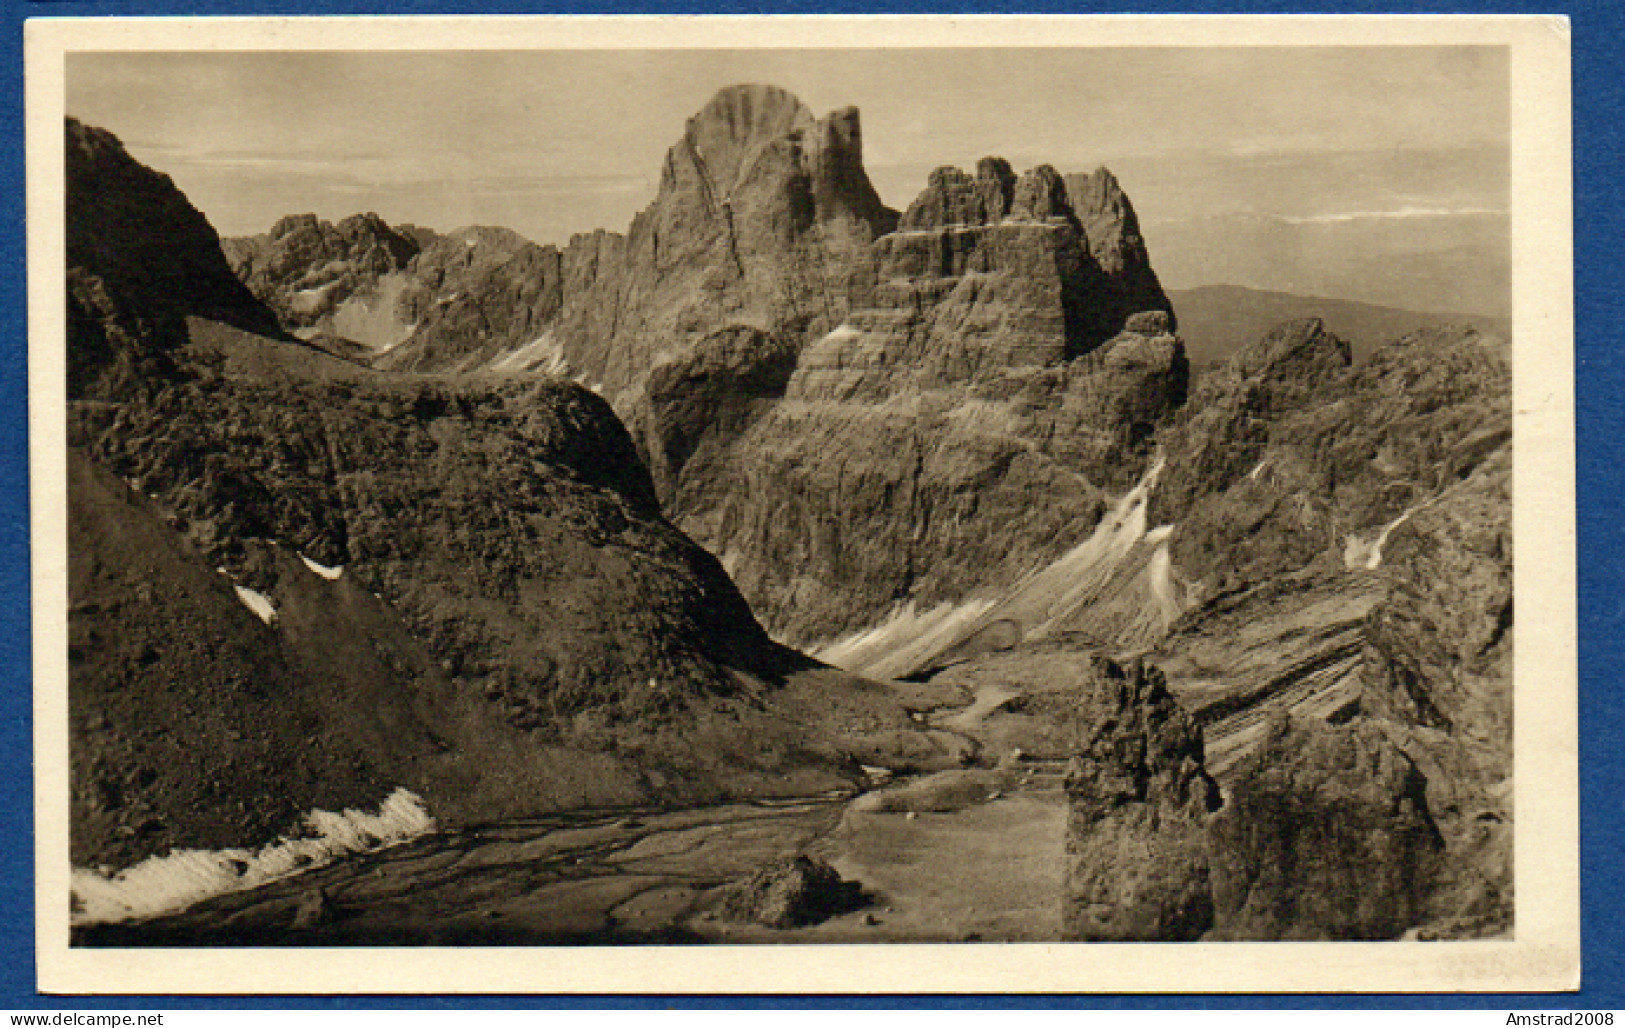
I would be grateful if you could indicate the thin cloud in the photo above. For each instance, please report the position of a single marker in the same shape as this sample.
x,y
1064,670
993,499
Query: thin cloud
x,y
1403,214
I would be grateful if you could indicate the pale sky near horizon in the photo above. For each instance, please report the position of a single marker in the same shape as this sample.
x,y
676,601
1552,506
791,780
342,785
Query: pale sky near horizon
x,y
555,142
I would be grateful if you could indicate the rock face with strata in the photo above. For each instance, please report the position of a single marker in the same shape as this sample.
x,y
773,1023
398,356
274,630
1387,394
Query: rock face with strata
x,y
1345,535
1307,493
849,506
963,427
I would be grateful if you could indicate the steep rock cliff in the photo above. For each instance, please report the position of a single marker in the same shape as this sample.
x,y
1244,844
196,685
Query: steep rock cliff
x,y
763,218
140,258
966,426
475,294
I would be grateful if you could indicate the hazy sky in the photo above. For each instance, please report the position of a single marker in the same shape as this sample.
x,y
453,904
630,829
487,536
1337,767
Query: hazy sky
x,y
554,142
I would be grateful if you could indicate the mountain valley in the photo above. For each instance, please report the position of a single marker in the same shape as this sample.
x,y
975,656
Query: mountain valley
x,y
784,568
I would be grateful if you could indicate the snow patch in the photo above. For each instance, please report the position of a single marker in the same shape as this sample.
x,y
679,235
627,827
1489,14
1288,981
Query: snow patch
x,y
1159,535
160,885
542,354
1041,602
903,639
331,574
1366,552
840,333
259,603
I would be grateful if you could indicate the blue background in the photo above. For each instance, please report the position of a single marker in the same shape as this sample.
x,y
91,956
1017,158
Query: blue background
x,y
1599,147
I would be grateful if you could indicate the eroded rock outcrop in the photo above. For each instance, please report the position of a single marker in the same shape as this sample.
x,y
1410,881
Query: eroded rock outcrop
x,y
1348,552
763,305
1138,806
477,294
1322,832
489,513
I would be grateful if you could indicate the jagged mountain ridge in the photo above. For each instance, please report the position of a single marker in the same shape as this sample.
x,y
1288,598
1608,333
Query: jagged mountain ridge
x,y
513,627
767,268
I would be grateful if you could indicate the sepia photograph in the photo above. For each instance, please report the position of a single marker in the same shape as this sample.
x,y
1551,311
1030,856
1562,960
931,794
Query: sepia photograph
x,y
715,490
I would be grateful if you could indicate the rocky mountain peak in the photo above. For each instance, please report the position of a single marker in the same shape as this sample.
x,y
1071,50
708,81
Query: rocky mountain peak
x,y
1040,194
1301,349
722,143
833,159
1111,228
87,144
952,197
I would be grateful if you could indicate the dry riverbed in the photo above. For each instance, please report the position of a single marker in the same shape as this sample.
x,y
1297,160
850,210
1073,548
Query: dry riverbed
x,y
957,856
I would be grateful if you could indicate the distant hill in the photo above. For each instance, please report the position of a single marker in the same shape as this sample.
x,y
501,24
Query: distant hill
x,y
1416,262
1216,321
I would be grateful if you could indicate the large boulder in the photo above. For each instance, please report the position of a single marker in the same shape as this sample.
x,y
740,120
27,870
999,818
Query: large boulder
x,y
790,893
